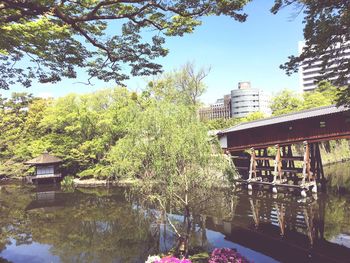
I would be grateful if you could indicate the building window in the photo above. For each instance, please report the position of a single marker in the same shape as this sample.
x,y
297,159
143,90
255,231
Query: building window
x,y
45,170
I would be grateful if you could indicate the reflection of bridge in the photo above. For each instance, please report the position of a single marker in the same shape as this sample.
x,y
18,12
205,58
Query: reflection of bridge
x,y
281,228
281,169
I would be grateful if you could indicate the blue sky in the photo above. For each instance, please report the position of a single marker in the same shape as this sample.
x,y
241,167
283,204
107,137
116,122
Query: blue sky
x,y
249,51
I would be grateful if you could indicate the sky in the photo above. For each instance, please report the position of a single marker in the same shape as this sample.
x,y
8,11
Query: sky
x,y
250,51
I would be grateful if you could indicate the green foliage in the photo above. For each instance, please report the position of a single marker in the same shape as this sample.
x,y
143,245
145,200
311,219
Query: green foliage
x,y
344,96
169,151
67,181
219,124
335,151
111,133
230,173
200,257
15,121
54,38
285,101
326,37
325,94
336,215
99,171
78,128
67,184
73,228
165,140
182,86
288,101
253,116
82,129
11,168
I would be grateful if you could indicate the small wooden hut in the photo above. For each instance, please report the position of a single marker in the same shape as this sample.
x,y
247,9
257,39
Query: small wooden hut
x,y
46,167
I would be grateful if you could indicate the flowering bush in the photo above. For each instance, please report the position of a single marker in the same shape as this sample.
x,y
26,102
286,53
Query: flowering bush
x,y
219,255
152,259
226,255
171,259
167,259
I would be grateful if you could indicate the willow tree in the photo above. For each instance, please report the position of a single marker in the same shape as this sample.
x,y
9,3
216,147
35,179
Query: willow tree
x,y
168,150
53,38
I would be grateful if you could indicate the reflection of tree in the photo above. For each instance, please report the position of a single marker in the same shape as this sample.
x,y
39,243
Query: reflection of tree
x,y
102,226
203,203
337,216
14,199
2,260
338,176
87,228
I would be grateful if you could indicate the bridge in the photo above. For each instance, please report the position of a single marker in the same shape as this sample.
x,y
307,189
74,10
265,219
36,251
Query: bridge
x,y
263,151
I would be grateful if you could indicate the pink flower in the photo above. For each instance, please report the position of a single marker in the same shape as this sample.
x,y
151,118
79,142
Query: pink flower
x,y
171,259
224,255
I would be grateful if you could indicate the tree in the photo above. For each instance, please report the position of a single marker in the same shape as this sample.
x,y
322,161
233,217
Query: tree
x,y
80,129
13,115
325,94
169,151
285,101
57,37
182,86
190,82
253,116
288,101
13,120
326,35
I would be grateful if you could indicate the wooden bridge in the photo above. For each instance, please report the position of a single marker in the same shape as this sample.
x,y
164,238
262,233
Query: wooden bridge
x,y
262,150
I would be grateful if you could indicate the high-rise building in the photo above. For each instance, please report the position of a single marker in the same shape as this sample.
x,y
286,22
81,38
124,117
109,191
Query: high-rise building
x,y
246,100
238,104
312,69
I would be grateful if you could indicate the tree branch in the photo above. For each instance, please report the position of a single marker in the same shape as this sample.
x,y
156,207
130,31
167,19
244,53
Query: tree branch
x,y
169,221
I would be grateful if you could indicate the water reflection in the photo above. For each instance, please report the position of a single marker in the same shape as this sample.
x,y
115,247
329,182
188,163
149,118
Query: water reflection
x,y
108,225
78,227
281,226
338,177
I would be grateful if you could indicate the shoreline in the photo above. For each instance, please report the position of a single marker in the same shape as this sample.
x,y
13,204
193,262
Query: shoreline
x,y
90,183
347,159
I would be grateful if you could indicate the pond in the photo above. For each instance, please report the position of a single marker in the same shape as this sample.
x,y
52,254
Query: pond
x,y
46,224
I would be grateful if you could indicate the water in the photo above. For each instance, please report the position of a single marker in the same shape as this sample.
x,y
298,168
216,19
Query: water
x,y
45,224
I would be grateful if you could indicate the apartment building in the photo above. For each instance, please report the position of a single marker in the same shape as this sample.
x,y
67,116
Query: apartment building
x,y
311,70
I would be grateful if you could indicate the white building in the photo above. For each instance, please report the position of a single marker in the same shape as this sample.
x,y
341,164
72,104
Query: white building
x,y
311,70
246,100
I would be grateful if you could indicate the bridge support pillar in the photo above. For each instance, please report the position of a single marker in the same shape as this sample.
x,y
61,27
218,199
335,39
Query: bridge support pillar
x,y
316,165
280,171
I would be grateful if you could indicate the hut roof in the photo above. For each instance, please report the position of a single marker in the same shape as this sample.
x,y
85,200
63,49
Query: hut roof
x,y
45,158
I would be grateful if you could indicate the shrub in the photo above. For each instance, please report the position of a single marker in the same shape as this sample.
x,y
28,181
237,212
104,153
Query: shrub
x,y
67,183
224,255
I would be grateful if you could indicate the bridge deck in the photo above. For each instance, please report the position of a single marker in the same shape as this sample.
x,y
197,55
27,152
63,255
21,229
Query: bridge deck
x,y
314,125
